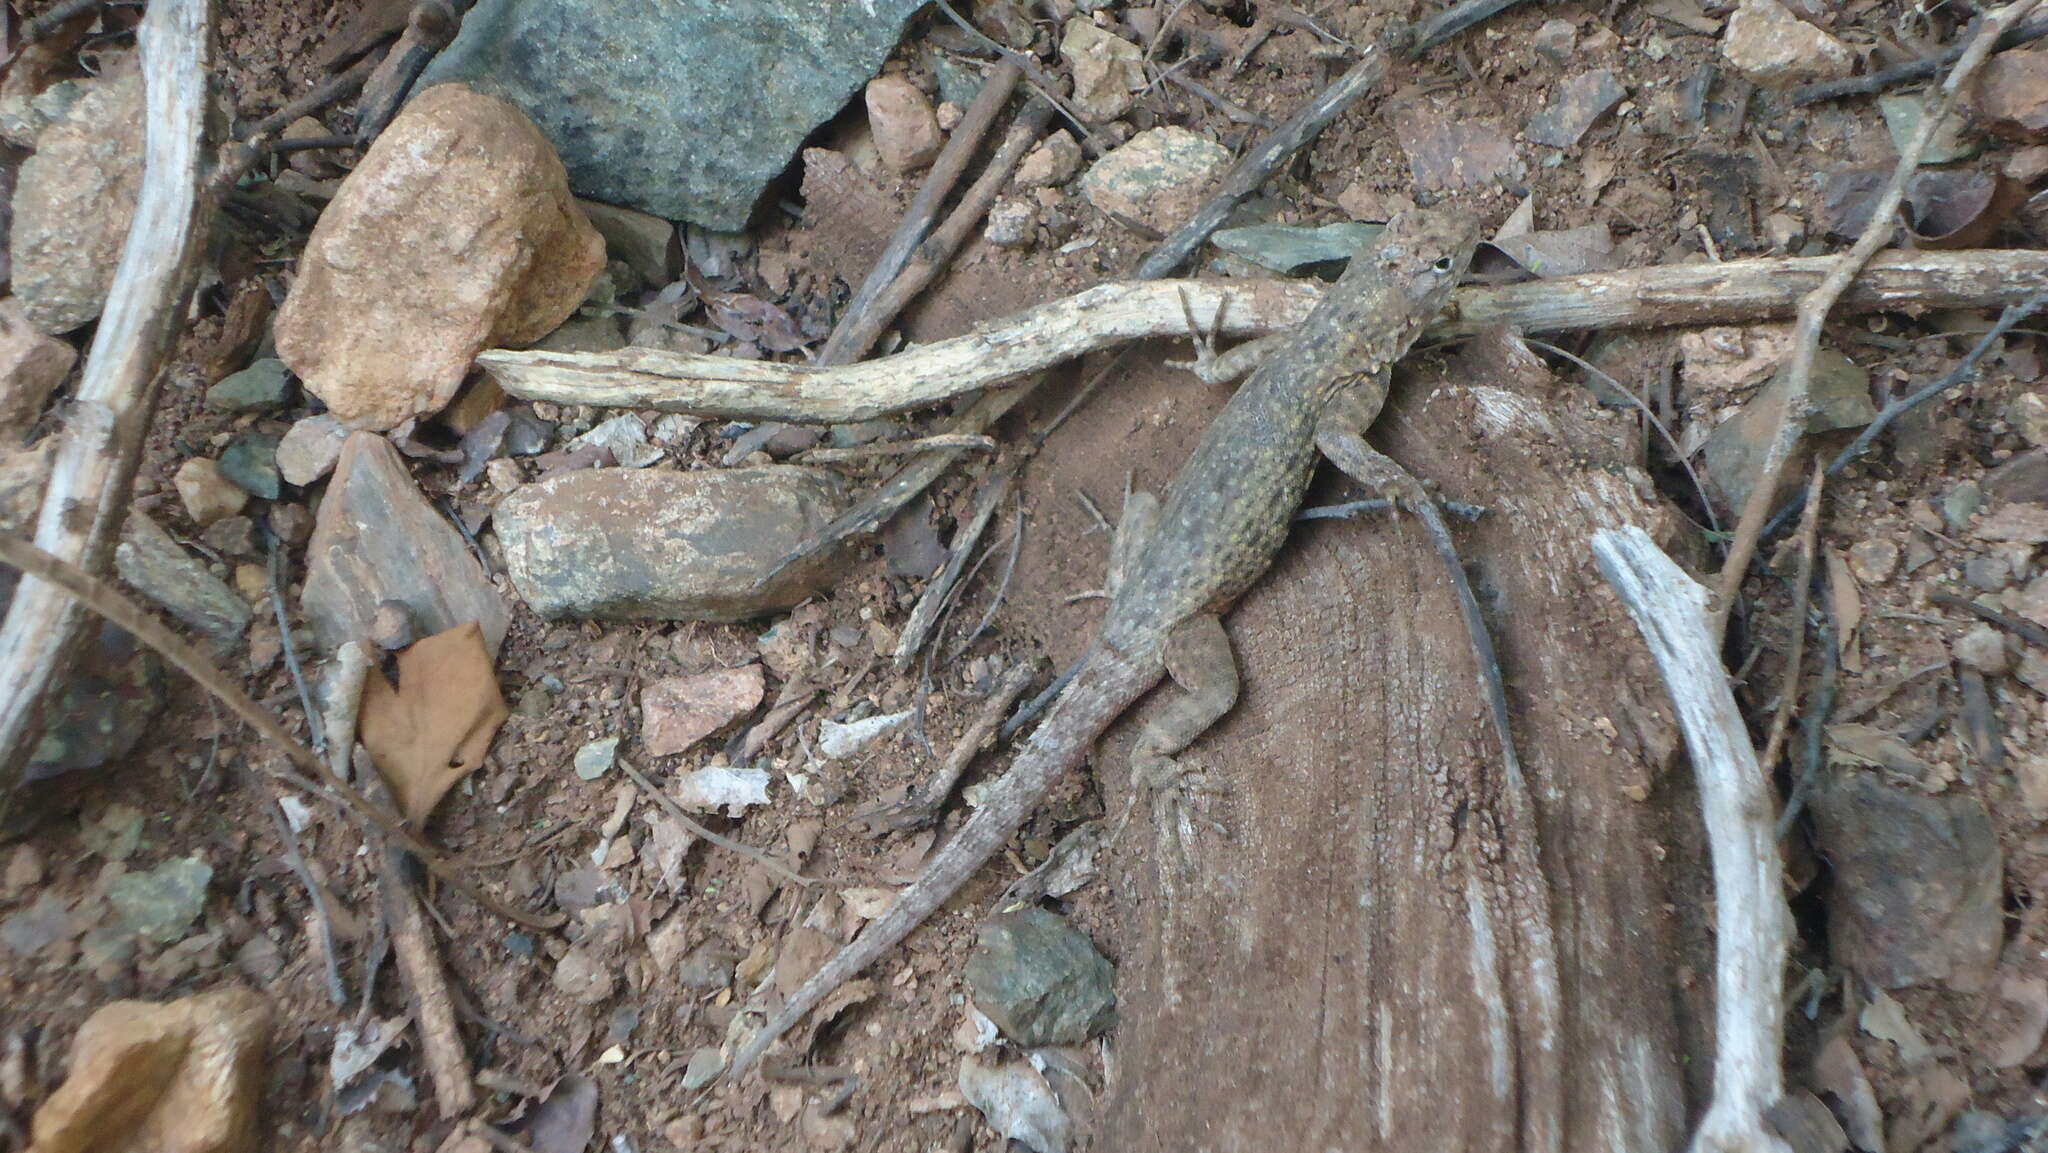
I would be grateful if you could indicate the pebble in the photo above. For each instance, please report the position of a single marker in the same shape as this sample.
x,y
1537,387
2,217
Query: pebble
x,y
585,334
1771,46
905,128
1962,502
377,538
1012,223
292,523
1159,177
1107,69
261,387
596,758
1555,39
456,233
2029,416
73,201
234,536
646,242
837,741
250,463
391,627
153,564
1874,561
207,494
2012,94
1055,161
637,545
677,712
1041,980
682,108
1989,573
1575,106
161,903
1983,648
505,474
32,365
309,449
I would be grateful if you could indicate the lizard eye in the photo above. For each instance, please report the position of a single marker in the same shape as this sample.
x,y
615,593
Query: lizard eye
x,y
1444,264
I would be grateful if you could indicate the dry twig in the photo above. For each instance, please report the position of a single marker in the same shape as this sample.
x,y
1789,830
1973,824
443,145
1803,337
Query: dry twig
x,y
1809,546
696,829
1790,418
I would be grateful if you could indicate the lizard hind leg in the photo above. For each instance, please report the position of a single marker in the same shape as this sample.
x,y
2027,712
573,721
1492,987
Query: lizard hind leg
x,y
1199,659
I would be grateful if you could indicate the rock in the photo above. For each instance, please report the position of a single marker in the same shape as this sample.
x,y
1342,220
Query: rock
x,y
2022,479
74,200
1575,106
2018,523
1873,561
585,334
456,233
316,164
1902,116
183,1077
595,758
721,787
261,387
161,903
625,438
153,564
1107,69
1983,649
646,242
1960,504
376,539
1054,161
625,544
1450,152
677,712
250,464
1288,249
706,1063
665,111
838,741
234,536
2032,774
1158,177
1555,39
1989,573
392,627
309,449
1018,1103
2012,94
2031,602
110,700
292,523
207,493
1840,398
1771,46
1041,980
1012,223
1918,881
581,975
2029,417
32,365
36,928
905,128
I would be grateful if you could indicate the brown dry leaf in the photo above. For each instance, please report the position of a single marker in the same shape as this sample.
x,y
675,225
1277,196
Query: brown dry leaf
x,y
1848,605
747,317
183,1077
434,728
1948,208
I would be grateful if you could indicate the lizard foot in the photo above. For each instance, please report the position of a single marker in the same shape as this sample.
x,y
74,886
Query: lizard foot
x,y
1182,801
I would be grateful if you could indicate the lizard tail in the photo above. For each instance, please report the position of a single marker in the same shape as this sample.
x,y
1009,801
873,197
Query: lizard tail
x,y
1106,685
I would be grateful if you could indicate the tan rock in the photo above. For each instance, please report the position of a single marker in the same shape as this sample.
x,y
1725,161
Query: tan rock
x,y
1054,161
1107,69
207,493
2012,95
905,128
74,201
677,712
183,1077
1158,177
32,365
1770,45
455,233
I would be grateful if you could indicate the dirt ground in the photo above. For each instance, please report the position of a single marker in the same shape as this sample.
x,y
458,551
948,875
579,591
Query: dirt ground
x,y
1668,186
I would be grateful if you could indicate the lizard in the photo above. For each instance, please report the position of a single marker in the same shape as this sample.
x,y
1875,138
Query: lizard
x,y
1224,518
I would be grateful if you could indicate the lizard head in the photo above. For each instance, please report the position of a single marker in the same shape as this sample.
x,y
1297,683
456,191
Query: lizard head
x,y
1423,254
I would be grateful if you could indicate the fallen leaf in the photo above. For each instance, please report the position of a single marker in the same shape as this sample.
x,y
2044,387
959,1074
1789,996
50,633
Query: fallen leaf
x,y
1839,1073
1885,1019
1018,1104
1867,745
564,1120
434,728
756,321
1959,209
355,1052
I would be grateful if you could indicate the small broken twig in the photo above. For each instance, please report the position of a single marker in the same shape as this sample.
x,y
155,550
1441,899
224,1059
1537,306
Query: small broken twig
x,y
1753,926
694,828
426,984
1790,417
922,806
1911,71
1802,592
926,614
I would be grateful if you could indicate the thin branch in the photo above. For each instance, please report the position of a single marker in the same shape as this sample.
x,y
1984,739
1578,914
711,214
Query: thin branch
x,y
1802,592
925,615
1814,307
1910,72
694,828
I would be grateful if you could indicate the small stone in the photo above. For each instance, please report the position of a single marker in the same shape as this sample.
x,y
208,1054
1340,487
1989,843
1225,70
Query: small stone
x,y
1770,45
309,449
2012,94
252,581
596,758
1983,648
292,523
1107,69
24,871
1159,177
2029,416
250,463
677,712
505,474
646,242
161,903
1784,231
1873,561
1452,151
1012,223
638,544
1055,161
704,1067
949,115
41,925
261,387
1555,38
74,198
900,116
1575,106
1960,504
2028,165
2019,523
377,538
1989,573
456,233
32,365
207,494
2031,602
234,536
585,334
154,565
1902,117
686,1131
582,976
391,627
2033,671
315,163
1041,980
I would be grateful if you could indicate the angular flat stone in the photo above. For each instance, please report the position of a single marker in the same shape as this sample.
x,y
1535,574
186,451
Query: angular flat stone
x,y
681,108
377,539
1041,980
74,200
153,564
636,545
1575,106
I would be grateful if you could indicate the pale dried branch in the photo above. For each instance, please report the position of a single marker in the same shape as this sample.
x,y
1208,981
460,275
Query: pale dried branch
x,y
1112,314
1753,928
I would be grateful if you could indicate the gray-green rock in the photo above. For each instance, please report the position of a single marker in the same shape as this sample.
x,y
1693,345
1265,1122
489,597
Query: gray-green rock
x,y
162,903
261,387
681,108
153,564
251,464
1040,979
636,545
1290,248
